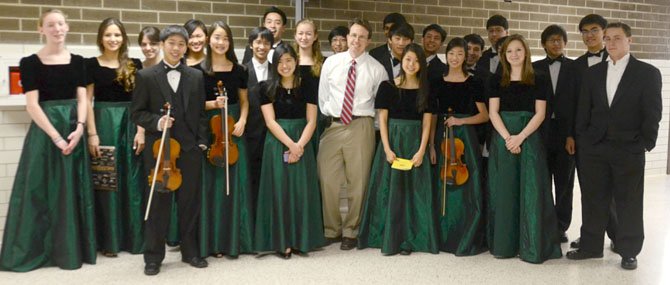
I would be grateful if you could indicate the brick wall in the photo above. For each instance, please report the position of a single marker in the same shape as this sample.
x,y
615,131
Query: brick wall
x,y
650,19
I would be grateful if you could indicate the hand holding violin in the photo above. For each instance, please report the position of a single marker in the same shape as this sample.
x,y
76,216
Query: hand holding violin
x,y
161,122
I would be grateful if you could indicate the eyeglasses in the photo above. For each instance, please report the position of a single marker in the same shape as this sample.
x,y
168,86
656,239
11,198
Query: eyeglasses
x,y
554,41
591,31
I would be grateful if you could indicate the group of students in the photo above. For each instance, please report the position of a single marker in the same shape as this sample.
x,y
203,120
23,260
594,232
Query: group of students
x,y
282,194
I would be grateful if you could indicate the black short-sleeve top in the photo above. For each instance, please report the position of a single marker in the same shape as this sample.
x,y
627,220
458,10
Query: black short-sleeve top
x,y
400,103
306,74
289,104
106,88
461,97
53,81
518,96
233,80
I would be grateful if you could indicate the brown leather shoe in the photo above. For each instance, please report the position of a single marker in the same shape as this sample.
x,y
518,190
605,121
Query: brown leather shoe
x,y
348,243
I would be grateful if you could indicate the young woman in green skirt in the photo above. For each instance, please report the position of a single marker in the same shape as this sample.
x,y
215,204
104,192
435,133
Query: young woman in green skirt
x,y
288,215
461,106
50,221
522,220
398,212
226,216
111,79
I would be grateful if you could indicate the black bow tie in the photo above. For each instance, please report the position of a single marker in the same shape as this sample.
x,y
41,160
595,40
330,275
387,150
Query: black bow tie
x,y
552,60
169,68
598,54
395,61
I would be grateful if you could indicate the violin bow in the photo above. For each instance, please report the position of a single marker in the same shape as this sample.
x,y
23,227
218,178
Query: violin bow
x,y
444,183
223,92
158,158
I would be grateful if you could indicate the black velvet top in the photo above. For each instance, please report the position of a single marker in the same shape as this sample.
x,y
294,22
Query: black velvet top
x,y
306,74
517,96
53,81
106,88
461,97
232,80
290,104
400,103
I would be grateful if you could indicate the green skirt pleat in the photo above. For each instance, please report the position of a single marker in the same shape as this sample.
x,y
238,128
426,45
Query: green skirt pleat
x,y
398,210
119,216
226,221
51,219
463,226
289,200
522,220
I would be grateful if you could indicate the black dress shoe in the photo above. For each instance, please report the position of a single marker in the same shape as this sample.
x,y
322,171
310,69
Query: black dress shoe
x,y
196,262
563,238
582,254
575,243
629,263
330,241
348,243
284,255
405,252
152,268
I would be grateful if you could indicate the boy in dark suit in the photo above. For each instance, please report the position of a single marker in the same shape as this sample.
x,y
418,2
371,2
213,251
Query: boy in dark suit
x,y
561,163
274,19
618,118
432,40
183,87
399,36
497,28
384,51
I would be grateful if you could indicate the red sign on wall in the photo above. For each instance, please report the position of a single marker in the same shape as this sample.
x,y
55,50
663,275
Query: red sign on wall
x,y
15,86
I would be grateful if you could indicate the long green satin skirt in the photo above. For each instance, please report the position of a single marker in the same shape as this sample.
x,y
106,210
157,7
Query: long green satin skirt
x,y
522,219
463,225
226,221
398,211
51,219
289,200
119,215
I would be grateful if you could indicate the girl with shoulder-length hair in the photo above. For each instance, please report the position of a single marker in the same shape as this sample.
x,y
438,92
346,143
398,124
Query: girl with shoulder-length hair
x,y
288,218
398,214
197,40
110,83
50,220
521,219
460,105
226,221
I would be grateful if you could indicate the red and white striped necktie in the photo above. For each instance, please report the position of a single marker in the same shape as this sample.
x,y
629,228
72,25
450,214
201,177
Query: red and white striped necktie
x,y
348,104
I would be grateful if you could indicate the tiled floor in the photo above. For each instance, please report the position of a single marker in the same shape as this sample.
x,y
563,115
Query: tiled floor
x,y
332,266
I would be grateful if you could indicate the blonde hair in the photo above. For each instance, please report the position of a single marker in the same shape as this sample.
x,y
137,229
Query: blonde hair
x,y
316,48
40,22
527,73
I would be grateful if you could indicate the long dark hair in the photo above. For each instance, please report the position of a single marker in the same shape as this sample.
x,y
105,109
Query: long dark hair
x,y
190,27
458,42
274,79
422,75
230,53
125,73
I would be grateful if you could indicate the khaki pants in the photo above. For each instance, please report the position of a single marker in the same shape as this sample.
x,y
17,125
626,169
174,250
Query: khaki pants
x,y
345,154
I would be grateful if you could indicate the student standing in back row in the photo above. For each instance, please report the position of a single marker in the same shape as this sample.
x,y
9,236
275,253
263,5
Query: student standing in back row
x,y
274,19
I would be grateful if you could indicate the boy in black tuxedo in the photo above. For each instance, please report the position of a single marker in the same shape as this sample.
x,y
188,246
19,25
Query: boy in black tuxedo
x,y
592,28
174,82
618,118
399,36
274,19
554,130
497,28
432,40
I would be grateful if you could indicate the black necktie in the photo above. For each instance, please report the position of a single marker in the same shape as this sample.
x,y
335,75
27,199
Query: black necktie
x,y
552,60
395,61
170,68
598,54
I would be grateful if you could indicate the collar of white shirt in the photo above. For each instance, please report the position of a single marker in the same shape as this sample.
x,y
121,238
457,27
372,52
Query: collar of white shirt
x,y
621,63
258,65
428,59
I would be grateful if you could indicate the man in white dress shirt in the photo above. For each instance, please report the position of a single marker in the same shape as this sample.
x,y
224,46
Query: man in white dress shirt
x,y
347,90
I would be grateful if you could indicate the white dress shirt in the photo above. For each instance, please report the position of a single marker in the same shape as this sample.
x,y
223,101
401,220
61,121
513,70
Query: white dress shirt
x,y
333,82
173,76
261,69
614,74
593,60
428,59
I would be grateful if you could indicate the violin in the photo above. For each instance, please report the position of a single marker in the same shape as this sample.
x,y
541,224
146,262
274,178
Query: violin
x,y
454,171
223,150
166,174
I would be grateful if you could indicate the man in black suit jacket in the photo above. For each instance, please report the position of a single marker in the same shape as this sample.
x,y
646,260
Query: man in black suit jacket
x,y
561,164
497,28
592,28
399,36
618,118
260,40
432,40
274,19
183,87
384,51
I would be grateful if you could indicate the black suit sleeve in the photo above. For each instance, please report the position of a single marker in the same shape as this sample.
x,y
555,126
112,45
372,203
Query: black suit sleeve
x,y
202,122
247,55
584,101
652,104
140,106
